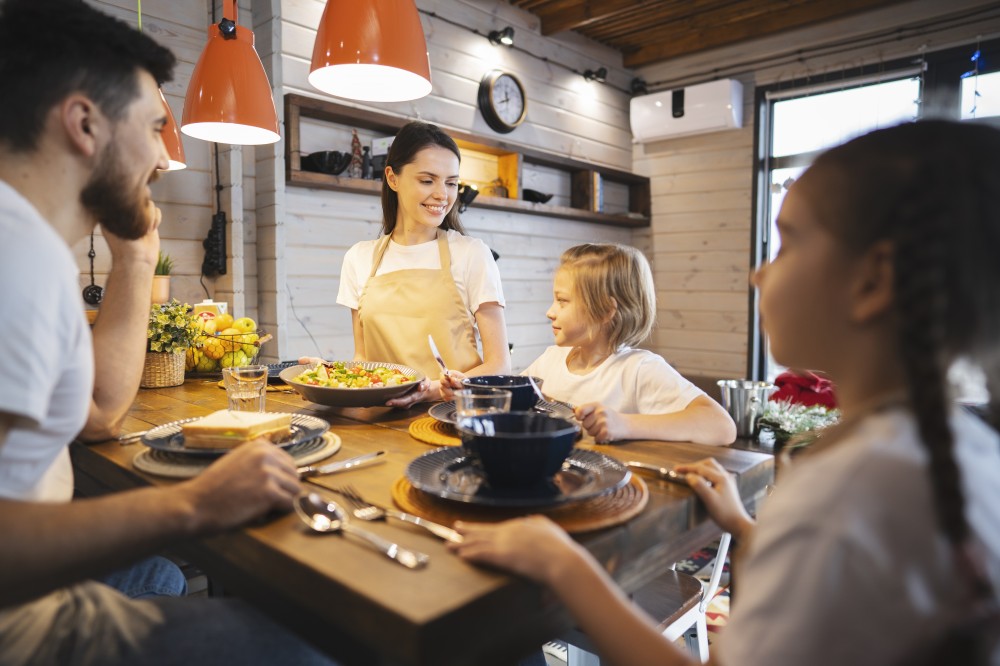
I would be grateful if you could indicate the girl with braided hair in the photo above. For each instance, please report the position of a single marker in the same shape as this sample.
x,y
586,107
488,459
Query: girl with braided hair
x,y
885,539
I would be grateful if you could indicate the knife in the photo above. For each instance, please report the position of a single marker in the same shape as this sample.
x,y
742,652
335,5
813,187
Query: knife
x,y
350,463
437,354
664,473
131,438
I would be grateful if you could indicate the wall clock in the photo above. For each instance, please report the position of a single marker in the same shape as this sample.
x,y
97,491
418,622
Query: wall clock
x,y
502,101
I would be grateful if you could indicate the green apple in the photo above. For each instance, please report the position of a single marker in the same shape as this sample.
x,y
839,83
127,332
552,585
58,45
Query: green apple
x,y
245,325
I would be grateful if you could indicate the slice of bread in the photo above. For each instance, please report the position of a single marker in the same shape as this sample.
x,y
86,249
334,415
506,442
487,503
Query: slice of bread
x,y
226,429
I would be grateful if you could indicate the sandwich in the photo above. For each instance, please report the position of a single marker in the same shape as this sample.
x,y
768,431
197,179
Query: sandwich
x,y
226,429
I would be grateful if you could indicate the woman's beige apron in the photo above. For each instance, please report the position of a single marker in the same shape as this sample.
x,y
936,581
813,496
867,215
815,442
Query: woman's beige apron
x,y
397,310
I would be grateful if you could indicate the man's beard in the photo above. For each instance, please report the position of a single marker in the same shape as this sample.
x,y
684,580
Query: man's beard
x,y
120,212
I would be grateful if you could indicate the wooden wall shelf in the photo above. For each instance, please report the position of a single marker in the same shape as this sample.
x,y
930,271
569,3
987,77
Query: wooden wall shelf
x,y
587,179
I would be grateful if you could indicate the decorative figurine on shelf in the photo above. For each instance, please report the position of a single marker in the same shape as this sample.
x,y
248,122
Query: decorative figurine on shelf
x,y
355,170
498,189
366,164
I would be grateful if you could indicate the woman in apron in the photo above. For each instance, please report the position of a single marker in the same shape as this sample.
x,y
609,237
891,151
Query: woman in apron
x,y
424,276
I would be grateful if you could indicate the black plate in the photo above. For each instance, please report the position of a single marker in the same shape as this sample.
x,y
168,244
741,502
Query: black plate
x,y
452,474
274,369
169,437
445,411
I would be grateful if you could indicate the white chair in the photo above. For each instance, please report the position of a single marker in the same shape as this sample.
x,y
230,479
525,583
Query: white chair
x,y
678,599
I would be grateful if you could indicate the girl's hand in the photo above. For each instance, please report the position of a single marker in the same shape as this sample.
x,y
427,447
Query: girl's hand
x,y
310,360
426,391
450,383
602,423
717,489
532,547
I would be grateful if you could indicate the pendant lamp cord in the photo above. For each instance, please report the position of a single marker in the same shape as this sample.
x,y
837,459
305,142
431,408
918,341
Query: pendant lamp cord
x,y
92,254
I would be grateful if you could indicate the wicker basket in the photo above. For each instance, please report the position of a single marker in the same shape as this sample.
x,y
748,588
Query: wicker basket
x,y
162,369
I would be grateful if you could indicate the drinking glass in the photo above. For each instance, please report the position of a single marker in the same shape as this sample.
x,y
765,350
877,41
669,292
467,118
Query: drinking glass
x,y
246,387
481,400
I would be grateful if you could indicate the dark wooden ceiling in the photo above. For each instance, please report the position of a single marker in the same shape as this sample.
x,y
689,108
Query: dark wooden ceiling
x,y
648,32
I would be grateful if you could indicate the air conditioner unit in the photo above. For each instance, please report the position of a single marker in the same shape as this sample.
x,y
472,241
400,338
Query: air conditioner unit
x,y
707,107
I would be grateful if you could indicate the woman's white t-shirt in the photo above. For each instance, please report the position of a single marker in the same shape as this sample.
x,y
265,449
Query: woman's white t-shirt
x,y
472,267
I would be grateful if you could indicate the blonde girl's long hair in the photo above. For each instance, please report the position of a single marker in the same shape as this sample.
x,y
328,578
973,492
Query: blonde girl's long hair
x,y
614,278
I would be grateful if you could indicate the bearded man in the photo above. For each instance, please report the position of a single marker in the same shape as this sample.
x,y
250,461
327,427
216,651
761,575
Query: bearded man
x,y
79,145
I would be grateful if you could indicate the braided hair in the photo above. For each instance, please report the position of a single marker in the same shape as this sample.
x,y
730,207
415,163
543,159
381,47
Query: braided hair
x,y
930,188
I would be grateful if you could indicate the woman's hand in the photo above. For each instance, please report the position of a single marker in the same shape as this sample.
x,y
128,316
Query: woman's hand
x,y
426,391
310,360
717,489
450,383
602,423
533,547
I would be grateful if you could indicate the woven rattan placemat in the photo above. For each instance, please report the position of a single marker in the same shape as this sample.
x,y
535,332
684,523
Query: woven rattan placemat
x,y
593,514
431,431
180,466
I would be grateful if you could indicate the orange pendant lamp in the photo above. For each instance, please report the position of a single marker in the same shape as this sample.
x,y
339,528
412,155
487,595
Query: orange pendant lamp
x,y
171,137
229,99
371,50
172,140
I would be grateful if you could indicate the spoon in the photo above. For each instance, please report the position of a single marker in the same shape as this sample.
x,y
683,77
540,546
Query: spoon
x,y
322,515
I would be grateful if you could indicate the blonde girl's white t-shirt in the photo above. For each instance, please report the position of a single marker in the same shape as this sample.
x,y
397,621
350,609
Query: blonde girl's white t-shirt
x,y
630,381
472,267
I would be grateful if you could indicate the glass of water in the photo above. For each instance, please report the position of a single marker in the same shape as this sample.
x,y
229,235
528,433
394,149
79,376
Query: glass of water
x,y
481,400
246,387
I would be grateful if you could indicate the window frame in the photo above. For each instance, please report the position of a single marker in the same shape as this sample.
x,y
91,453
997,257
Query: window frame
x,y
940,89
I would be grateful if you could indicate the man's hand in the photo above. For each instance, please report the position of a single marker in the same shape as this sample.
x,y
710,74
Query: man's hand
x,y
145,250
243,485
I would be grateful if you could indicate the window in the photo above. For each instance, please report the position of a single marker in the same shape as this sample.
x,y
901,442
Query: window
x,y
797,123
802,125
980,96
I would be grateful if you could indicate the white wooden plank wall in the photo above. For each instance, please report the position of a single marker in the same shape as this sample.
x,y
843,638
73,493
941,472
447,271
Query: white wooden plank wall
x,y
700,247
567,116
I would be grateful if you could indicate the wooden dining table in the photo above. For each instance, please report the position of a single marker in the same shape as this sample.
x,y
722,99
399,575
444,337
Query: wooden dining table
x,y
361,607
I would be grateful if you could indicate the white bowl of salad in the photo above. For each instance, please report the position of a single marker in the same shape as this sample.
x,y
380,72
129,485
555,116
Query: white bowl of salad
x,y
351,383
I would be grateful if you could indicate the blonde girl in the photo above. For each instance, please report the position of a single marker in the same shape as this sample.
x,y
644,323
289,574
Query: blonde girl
x,y
884,541
604,304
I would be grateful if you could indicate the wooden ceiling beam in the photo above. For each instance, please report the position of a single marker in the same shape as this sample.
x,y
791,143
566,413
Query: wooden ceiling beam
x,y
575,15
710,30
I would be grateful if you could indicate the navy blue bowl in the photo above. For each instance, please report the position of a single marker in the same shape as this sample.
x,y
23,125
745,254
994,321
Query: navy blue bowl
x,y
517,449
522,396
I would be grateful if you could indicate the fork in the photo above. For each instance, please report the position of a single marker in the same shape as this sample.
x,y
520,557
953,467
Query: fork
x,y
367,511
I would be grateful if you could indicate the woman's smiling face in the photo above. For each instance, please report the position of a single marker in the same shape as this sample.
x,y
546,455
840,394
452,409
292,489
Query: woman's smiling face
x,y
427,188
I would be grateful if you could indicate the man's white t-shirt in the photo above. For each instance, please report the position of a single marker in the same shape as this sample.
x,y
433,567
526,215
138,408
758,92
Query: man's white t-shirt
x,y
46,354
630,381
847,564
472,267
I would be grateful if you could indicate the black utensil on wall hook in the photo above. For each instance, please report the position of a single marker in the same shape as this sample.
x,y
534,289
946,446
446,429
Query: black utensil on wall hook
x,y
93,293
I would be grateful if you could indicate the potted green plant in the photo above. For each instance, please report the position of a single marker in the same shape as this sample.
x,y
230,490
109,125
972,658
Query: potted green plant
x,y
172,329
161,278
